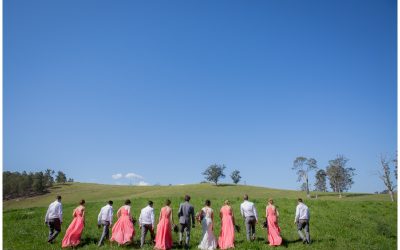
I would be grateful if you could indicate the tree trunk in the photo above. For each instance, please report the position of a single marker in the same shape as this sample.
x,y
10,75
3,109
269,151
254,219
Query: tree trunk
x,y
391,195
307,189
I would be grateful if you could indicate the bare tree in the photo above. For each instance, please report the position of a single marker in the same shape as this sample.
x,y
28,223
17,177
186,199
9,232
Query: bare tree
x,y
386,178
303,167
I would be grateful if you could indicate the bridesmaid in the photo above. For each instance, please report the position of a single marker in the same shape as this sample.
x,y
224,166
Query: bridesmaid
x,y
208,241
274,231
72,237
227,237
164,234
123,230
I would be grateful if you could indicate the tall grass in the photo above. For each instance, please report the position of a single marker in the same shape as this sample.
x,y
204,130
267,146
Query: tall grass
x,y
337,224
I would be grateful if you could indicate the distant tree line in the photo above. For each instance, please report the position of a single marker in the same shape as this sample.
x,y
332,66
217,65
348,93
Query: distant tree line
x,y
215,172
16,184
339,175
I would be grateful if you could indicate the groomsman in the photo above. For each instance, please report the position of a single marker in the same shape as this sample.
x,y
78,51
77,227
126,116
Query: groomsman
x,y
53,219
146,222
302,219
105,218
185,212
249,212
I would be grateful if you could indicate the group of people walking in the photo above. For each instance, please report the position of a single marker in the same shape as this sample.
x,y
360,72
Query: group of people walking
x,y
123,231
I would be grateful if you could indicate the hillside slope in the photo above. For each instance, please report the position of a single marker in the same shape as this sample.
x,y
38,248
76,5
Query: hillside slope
x,y
71,193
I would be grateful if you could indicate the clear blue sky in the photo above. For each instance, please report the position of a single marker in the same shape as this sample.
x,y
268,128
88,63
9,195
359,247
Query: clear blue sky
x,y
163,89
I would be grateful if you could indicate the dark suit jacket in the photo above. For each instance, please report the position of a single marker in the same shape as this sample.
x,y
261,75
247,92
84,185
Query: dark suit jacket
x,y
186,211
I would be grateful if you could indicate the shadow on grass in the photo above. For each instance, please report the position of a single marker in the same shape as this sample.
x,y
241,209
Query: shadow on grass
x,y
354,195
299,241
226,185
88,241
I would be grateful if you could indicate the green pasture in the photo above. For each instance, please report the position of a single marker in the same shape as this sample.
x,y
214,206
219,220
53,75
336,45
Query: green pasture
x,y
357,221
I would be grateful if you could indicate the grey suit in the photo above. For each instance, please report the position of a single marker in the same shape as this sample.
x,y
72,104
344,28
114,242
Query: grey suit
x,y
185,213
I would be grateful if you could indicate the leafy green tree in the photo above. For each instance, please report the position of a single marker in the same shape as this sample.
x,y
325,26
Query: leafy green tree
x,y
61,177
214,172
340,177
320,180
303,166
48,177
235,175
38,185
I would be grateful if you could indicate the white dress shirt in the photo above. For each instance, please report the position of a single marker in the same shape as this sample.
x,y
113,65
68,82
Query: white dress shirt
x,y
247,209
302,212
147,216
54,211
106,214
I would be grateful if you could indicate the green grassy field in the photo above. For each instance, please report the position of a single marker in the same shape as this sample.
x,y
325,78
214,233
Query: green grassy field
x,y
357,221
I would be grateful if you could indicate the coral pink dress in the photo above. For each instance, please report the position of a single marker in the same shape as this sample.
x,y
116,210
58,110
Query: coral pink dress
x,y
72,237
227,236
274,231
123,230
164,234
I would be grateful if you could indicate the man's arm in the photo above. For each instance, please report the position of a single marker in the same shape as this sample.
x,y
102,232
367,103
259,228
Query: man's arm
x,y
140,218
192,215
99,217
241,210
110,215
296,218
60,213
152,218
180,211
46,218
255,212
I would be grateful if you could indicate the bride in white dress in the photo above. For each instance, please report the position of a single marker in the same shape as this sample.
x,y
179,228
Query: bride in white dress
x,y
208,241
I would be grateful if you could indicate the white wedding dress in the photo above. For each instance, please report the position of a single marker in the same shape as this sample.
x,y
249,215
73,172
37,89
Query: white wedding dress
x,y
208,241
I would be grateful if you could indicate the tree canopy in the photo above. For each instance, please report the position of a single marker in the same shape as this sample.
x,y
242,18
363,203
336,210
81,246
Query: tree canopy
x,y
214,172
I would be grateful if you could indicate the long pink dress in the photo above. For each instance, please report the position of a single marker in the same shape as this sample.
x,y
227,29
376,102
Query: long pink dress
x,y
123,230
227,236
164,234
73,234
274,231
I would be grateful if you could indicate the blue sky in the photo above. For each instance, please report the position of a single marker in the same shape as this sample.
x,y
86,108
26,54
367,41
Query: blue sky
x,y
162,89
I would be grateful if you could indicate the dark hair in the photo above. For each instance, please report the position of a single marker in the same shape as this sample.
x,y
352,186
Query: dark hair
x,y
167,202
110,202
187,198
127,202
150,203
300,200
82,202
58,197
245,197
208,203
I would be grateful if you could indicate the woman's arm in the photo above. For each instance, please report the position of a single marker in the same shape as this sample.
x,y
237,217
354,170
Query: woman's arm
x,y
233,216
172,217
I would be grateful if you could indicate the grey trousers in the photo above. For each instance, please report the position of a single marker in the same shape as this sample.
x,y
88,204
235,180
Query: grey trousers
x,y
185,228
145,229
54,229
250,227
304,224
106,231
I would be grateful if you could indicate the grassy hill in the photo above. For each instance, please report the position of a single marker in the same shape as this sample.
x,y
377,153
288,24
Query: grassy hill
x,y
71,193
357,221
